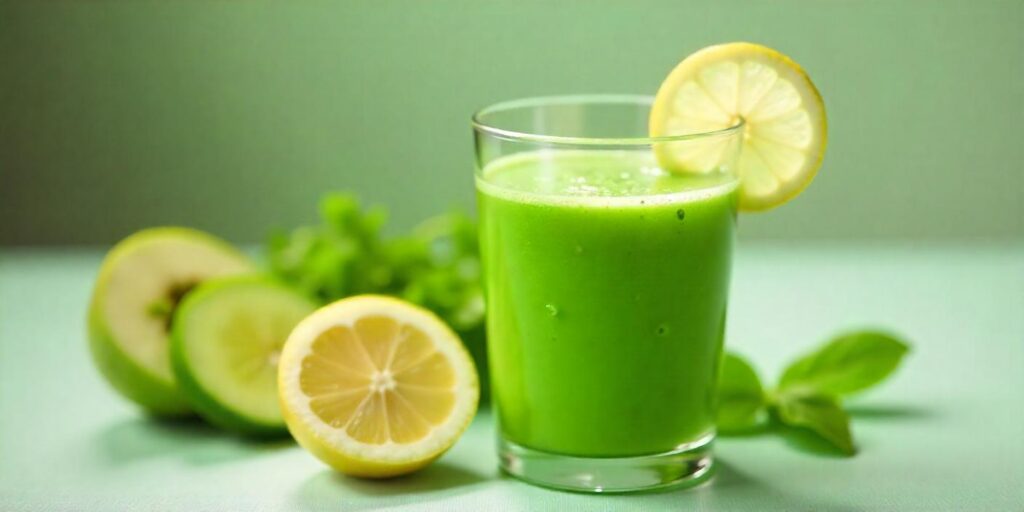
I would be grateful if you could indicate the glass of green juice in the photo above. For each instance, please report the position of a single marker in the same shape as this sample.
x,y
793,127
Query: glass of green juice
x,y
606,283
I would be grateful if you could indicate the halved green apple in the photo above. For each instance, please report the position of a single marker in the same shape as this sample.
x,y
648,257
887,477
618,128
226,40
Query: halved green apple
x,y
141,282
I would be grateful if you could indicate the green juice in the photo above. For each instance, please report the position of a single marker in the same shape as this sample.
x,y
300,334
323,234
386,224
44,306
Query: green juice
x,y
606,286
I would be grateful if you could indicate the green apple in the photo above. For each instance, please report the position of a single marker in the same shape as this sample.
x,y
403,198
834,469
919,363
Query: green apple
x,y
141,282
226,340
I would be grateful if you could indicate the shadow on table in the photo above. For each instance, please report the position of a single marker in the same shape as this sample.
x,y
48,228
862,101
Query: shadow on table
x,y
733,487
730,489
888,412
797,438
727,476
805,441
332,490
190,439
808,442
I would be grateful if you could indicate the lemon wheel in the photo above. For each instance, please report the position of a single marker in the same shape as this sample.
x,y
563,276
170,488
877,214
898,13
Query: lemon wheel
x,y
783,116
376,387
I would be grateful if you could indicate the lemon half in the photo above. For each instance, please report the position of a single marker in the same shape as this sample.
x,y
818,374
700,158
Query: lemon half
x,y
785,129
376,387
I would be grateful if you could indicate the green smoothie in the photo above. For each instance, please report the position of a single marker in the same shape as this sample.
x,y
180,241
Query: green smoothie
x,y
606,285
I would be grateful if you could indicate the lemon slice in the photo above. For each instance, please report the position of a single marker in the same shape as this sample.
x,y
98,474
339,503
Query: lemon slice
x,y
376,387
784,130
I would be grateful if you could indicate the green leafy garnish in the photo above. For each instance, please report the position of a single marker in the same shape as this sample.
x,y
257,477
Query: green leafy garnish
x,y
437,265
820,413
741,402
809,394
849,363
341,257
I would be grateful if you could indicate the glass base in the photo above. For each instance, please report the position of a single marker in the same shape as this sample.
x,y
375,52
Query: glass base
x,y
686,466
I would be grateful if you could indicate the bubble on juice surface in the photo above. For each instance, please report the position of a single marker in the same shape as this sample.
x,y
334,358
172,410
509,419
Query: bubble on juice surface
x,y
552,309
584,190
662,330
578,249
680,214
651,171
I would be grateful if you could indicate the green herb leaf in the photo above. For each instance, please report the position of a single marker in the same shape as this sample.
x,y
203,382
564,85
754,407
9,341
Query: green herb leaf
x,y
849,363
343,256
741,402
437,265
819,413
445,276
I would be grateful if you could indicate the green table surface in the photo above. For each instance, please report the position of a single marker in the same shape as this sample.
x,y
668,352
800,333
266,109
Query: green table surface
x,y
946,433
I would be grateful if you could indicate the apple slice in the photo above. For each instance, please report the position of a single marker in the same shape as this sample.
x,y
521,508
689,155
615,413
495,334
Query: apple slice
x,y
141,282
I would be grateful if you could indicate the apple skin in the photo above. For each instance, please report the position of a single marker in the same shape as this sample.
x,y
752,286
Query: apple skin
x,y
156,395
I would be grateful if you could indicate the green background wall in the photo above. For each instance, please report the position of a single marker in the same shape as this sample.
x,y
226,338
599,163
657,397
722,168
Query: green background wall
x,y
235,116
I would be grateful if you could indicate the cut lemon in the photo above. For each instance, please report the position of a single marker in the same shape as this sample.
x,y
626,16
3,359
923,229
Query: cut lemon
x,y
376,387
784,130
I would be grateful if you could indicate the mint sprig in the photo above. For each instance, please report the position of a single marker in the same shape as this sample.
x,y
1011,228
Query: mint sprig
x,y
741,399
809,394
818,412
849,363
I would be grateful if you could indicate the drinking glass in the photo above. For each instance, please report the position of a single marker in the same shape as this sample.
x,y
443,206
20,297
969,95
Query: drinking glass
x,y
606,257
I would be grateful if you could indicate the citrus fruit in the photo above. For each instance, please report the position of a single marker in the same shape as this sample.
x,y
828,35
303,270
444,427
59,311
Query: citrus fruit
x,y
375,386
225,345
783,118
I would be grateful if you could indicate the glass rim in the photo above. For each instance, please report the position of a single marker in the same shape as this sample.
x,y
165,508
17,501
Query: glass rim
x,y
580,99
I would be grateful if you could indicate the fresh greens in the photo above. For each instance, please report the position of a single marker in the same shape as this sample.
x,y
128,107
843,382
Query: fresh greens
x,y
741,402
810,391
440,269
437,265
343,256
847,364
820,413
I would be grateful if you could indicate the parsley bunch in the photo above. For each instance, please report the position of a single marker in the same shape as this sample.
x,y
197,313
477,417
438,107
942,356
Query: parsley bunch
x,y
437,265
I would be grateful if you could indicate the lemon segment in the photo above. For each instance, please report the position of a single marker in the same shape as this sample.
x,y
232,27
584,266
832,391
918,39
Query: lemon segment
x,y
783,117
376,387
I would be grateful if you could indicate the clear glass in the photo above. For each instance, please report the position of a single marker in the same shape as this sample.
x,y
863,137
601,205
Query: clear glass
x,y
606,281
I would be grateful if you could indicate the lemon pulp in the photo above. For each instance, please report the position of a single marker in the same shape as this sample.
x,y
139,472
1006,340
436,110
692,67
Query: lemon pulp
x,y
379,380
375,386
783,116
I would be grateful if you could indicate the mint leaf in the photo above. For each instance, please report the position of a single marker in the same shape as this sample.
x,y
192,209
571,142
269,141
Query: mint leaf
x,y
818,413
848,363
741,400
